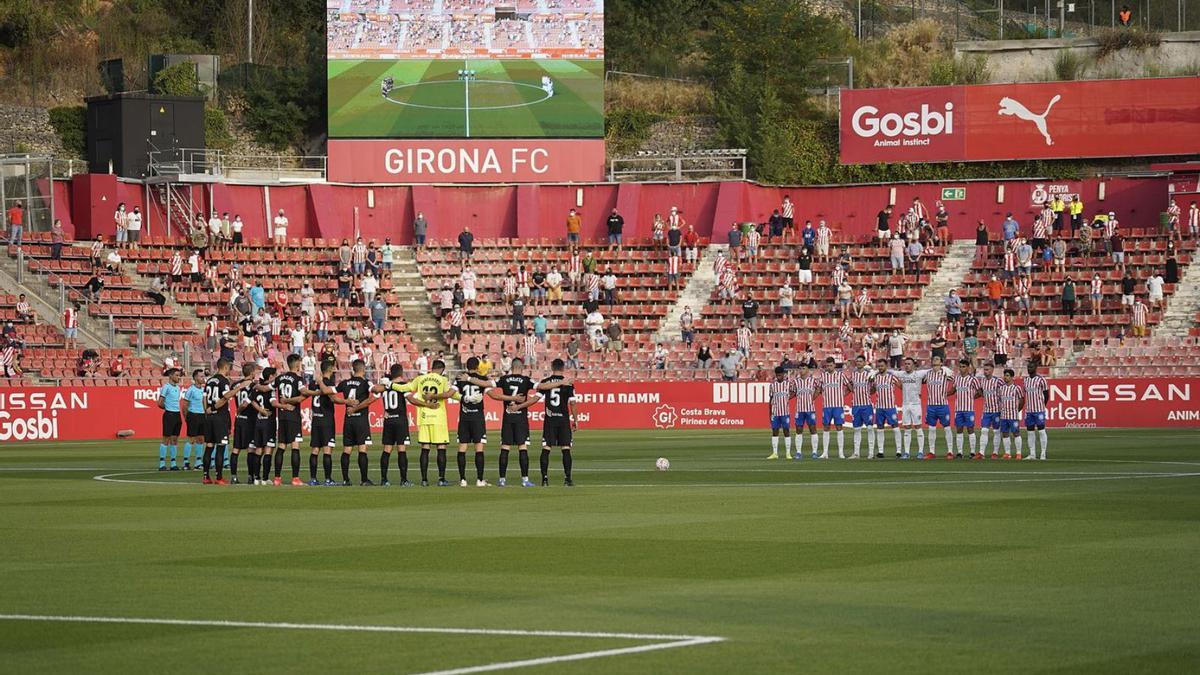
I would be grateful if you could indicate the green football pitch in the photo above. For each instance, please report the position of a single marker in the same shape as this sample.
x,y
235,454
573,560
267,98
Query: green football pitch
x,y
429,100
1084,563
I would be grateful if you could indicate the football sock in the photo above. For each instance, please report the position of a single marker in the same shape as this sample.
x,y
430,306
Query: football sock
x,y
857,439
252,467
825,439
787,445
896,437
907,435
363,464
345,461
983,439
812,437
799,443
441,463
187,452
220,461
425,464
208,451
478,465
566,457
162,454
503,463
841,435
523,458
327,465
933,440
278,461
1045,438
173,450
295,462
233,462
916,432
871,442
949,433
402,461
265,467
1017,442
1007,442
312,466
544,462
1032,440
971,441
774,445
879,440
385,459
462,466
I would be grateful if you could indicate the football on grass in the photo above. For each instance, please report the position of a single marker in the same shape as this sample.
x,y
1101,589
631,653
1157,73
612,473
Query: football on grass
x,y
662,464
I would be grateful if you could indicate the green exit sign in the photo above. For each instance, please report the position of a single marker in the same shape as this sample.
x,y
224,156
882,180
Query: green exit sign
x,y
954,194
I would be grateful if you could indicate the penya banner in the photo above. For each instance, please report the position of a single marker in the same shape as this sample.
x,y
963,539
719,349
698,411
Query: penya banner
x,y
1096,118
94,413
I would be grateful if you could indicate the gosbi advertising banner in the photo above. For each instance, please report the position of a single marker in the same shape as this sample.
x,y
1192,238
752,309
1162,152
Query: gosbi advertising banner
x,y
1044,120
94,413
466,161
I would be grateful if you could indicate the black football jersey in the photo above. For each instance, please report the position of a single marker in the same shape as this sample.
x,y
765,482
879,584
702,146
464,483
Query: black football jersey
x,y
558,398
263,398
216,388
394,402
515,385
357,388
467,409
242,398
322,404
288,385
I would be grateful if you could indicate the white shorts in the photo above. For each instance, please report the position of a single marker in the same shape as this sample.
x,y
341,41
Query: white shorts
x,y
281,232
910,415
1127,300
523,291
1156,296
469,294
805,276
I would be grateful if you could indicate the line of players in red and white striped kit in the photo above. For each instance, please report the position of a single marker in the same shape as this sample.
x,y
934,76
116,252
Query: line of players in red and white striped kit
x,y
1007,406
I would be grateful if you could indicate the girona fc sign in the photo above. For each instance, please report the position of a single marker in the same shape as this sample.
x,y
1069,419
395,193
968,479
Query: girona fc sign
x,y
1099,118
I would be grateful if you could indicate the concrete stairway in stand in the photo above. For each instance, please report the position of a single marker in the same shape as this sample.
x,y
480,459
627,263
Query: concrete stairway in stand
x,y
695,294
1183,304
424,327
932,305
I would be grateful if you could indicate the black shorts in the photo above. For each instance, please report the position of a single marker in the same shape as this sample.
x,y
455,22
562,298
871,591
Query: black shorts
x,y
556,432
264,434
243,433
216,429
356,431
514,431
195,424
171,423
395,430
471,430
290,431
999,359
324,435
237,237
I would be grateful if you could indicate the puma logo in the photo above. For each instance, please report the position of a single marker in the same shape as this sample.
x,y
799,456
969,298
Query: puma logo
x,y
1010,106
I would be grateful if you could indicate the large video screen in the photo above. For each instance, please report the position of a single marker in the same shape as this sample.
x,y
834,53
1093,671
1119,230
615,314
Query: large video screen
x,y
466,68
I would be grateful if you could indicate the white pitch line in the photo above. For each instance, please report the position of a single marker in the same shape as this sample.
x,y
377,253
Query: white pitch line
x,y
661,641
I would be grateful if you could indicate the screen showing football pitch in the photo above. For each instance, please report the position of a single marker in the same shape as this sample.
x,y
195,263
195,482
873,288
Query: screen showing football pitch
x,y
466,68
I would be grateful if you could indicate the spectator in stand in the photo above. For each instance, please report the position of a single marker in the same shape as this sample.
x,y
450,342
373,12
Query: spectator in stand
x,y
554,291
387,255
537,288
687,329
574,228
1154,291
112,261
1059,249
751,241
1009,227
70,322
1058,210
237,226
89,361
1194,219
1075,209
775,225
280,302
1067,296
198,237
896,343
466,243
616,229
280,229
540,327
344,279
824,238
296,336
788,211
308,299
469,282
1021,294
258,296
804,262
97,251
954,308
593,323
613,333
659,359
691,245
970,347
729,365
93,287
420,229
845,295
942,218
883,226
24,310
1138,314
937,344
786,301
518,315
609,283
1171,269
120,220
914,251
1086,243
1116,245
214,229
378,307
134,226
57,239
861,302
1024,255
458,298
455,322
358,257
156,291
674,239
1097,294
1174,231
345,254
704,357
373,258
727,284
658,229
369,286
735,242
896,254
970,322
750,312
673,264
572,350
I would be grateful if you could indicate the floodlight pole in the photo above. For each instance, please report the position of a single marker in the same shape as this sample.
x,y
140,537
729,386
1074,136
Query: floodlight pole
x,y
249,31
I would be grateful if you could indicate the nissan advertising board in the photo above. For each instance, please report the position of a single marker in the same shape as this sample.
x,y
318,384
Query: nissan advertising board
x,y
1045,120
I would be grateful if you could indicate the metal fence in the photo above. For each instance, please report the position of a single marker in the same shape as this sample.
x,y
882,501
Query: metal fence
x,y
26,180
693,165
1023,19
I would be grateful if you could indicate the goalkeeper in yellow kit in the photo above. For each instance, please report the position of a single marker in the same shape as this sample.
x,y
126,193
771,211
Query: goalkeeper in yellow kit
x,y
428,394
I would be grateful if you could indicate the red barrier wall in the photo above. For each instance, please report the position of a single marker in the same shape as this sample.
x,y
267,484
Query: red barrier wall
x,y
100,412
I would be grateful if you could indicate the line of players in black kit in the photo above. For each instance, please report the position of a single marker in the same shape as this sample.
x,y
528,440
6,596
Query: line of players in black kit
x,y
268,424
